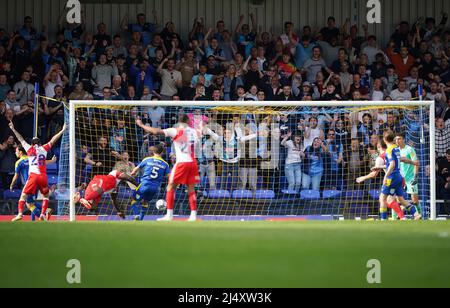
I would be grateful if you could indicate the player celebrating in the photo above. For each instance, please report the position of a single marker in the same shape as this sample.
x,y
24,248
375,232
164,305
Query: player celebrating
x,y
21,172
185,171
104,184
410,173
38,179
155,169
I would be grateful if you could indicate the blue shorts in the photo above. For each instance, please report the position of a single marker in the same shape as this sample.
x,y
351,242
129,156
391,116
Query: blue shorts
x,y
395,187
145,193
30,199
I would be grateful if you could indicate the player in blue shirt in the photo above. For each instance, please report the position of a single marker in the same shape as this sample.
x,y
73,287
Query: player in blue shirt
x,y
393,180
154,170
21,168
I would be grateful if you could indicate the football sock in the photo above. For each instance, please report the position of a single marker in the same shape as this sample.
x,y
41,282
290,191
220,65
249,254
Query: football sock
x,y
383,215
135,205
193,201
170,213
44,206
396,207
142,212
20,207
170,199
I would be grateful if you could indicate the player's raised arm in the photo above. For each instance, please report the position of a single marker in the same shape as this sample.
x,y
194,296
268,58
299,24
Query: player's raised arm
x,y
58,135
52,161
18,135
148,129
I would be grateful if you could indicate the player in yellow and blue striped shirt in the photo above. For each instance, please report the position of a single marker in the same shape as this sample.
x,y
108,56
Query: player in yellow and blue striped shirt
x,y
154,170
393,180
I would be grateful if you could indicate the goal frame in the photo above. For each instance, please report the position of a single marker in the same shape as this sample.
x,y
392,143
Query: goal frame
x,y
73,104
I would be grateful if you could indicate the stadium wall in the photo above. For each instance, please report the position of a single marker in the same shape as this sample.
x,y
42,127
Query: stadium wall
x,y
271,13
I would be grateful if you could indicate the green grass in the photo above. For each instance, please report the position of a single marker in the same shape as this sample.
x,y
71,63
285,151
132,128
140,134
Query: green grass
x,y
226,254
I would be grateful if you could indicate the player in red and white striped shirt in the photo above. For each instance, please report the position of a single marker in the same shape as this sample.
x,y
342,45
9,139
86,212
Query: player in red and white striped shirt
x,y
37,156
185,171
104,184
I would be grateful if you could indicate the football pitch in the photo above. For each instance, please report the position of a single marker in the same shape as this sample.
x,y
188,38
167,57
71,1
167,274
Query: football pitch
x,y
225,254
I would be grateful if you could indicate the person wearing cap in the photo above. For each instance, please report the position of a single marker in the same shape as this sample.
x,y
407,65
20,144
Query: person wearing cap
x,y
305,90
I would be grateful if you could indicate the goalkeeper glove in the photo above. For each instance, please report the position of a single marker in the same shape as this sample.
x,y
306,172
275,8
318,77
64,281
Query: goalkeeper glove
x,y
414,181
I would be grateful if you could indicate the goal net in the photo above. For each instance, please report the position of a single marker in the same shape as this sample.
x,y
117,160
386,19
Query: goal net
x,y
257,160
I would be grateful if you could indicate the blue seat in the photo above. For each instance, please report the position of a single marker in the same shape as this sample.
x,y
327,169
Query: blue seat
x,y
265,194
219,194
12,194
374,194
310,195
242,194
331,194
52,180
289,194
354,194
52,168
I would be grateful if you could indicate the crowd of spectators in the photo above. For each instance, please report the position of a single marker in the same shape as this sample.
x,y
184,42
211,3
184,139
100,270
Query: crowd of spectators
x,y
150,61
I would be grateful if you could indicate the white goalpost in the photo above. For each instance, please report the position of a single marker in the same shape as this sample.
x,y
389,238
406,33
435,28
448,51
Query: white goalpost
x,y
425,116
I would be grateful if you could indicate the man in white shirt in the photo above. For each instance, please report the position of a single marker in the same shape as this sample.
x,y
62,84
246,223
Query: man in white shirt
x,y
312,132
24,89
372,49
171,79
401,93
11,102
